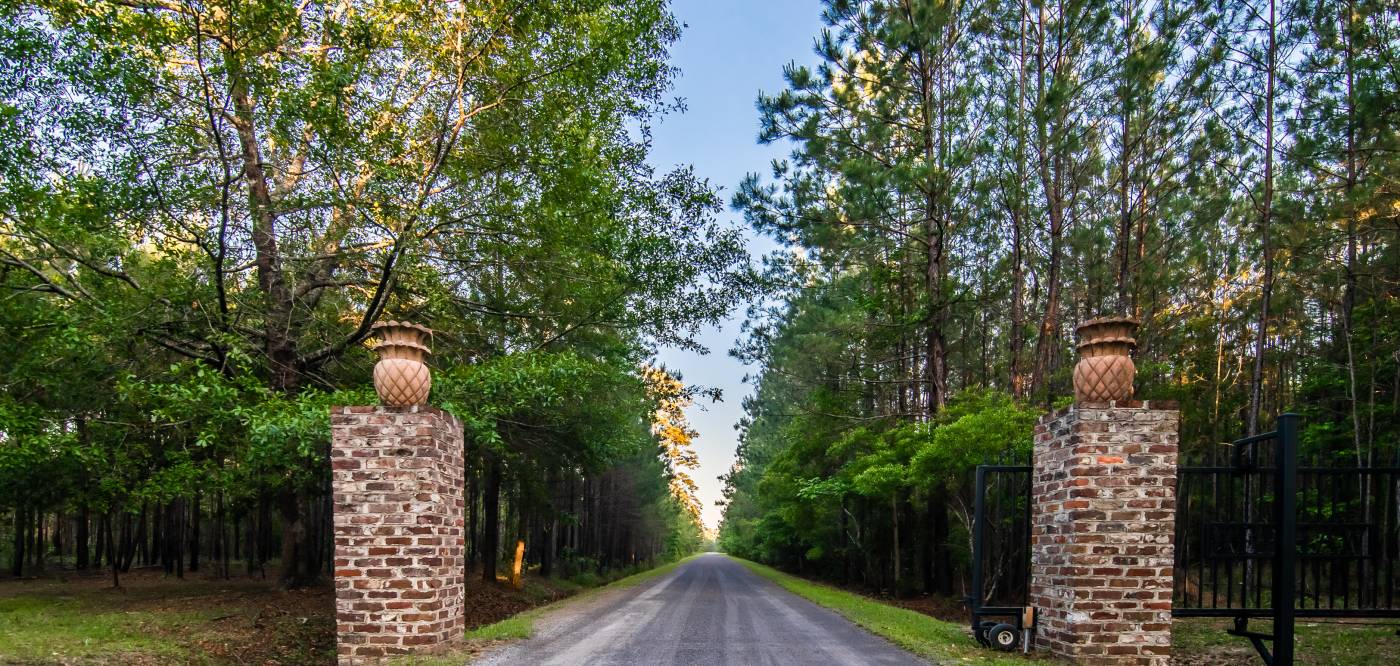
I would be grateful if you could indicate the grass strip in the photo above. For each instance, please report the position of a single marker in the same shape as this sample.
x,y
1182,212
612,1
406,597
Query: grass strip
x,y
928,637
40,630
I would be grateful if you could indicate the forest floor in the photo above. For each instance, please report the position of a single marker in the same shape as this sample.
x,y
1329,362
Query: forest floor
x,y
71,618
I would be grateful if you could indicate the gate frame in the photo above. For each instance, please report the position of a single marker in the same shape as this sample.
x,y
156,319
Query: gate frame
x,y
1285,560
1282,578
979,524
1283,583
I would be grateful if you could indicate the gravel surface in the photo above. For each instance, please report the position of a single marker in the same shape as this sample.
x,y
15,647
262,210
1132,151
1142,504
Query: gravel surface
x,y
710,610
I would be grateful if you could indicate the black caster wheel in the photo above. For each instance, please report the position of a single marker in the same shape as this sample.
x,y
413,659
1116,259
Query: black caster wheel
x,y
983,633
1003,637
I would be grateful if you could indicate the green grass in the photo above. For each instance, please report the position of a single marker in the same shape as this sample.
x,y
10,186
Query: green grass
x,y
45,630
925,636
1322,642
155,619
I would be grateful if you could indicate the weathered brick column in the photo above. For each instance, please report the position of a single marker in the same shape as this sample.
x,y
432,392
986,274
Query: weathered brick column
x,y
1104,506
397,486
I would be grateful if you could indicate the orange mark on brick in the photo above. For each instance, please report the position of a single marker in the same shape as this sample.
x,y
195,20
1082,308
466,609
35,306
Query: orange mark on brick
x,y
1110,460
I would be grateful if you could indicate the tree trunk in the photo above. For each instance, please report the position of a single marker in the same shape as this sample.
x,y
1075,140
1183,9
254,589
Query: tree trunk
x,y
1051,167
112,550
1256,383
1125,157
173,544
194,531
517,579
146,550
1018,319
80,544
894,529
936,367
222,545
263,545
128,544
56,542
473,501
101,550
281,328
297,570
491,507
156,550
38,550
17,557
942,557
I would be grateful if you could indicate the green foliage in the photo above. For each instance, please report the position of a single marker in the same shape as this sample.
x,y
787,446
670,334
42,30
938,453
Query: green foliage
x,y
789,509
968,181
203,212
976,427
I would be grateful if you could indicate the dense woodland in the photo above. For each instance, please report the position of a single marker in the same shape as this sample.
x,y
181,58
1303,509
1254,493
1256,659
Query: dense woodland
x,y
969,180
205,206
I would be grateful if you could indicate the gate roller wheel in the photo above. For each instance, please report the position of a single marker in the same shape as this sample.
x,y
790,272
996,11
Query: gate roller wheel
x,y
982,633
1003,637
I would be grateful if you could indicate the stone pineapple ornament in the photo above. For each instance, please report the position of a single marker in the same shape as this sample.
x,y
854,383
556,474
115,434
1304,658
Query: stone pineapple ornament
x,y
401,377
1105,370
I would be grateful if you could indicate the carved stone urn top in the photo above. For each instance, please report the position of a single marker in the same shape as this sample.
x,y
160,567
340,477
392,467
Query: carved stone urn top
x,y
400,339
1104,336
1105,370
401,377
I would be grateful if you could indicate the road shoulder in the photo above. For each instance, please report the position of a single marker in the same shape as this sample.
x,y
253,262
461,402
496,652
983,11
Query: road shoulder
x,y
928,637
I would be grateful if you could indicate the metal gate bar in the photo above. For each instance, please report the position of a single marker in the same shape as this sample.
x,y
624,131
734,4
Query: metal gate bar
x,y
1257,536
1283,540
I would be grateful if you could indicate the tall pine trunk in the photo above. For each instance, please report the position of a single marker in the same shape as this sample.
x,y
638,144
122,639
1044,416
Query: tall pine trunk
x,y
17,555
491,507
1266,211
80,544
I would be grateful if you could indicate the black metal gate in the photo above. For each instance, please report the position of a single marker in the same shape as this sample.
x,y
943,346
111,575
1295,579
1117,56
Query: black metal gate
x,y
1252,526
1256,529
1001,551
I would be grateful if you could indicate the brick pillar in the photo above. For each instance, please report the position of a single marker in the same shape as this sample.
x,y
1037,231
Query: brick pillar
x,y
397,487
1104,507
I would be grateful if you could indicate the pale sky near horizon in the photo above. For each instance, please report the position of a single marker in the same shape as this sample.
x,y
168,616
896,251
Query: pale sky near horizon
x,y
728,51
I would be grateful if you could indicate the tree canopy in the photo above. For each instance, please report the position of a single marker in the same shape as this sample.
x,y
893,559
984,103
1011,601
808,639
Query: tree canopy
x,y
970,179
204,207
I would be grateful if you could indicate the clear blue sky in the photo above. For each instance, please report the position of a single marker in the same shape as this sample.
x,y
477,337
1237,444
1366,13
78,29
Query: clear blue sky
x,y
728,52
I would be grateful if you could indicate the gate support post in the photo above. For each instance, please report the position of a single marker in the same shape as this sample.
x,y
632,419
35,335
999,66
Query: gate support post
x,y
1285,556
397,484
1103,497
